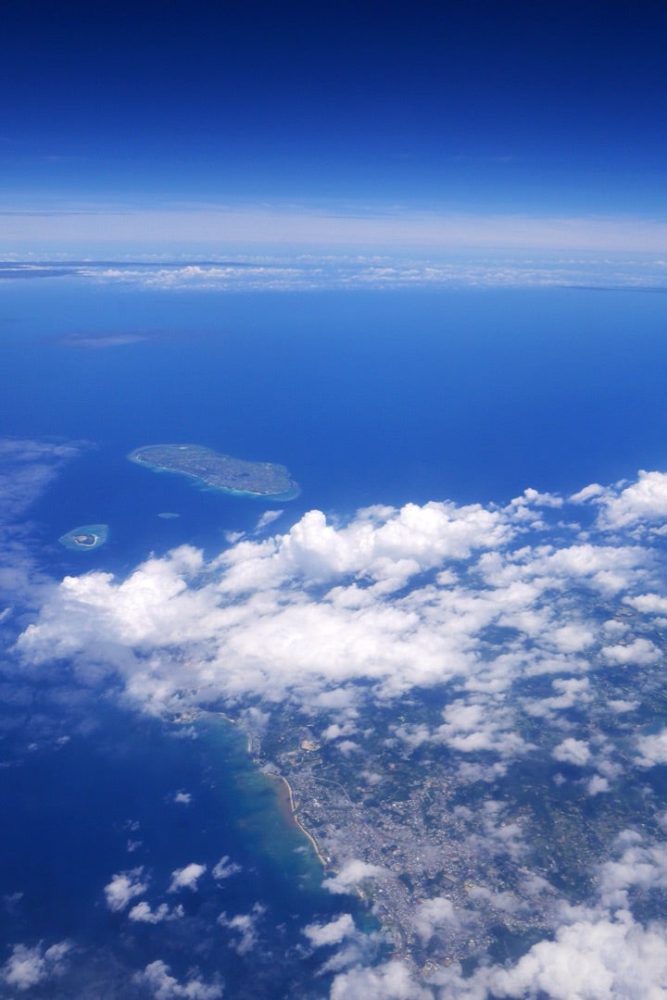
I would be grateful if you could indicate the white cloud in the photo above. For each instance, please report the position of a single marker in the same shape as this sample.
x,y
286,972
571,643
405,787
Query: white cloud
x,y
434,915
143,914
505,616
620,705
391,981
182,798
599,952
652,749
123,888
399,599
640,866
649,604
572,751
321,935
27,468
326,604
640,652
244,926
478,726
163,986
225,868
186,877
27,967
591,492
597,785
387,230
267,518
351,875
645,501
381,544
594,955
573,637
592,958
568,693
279,635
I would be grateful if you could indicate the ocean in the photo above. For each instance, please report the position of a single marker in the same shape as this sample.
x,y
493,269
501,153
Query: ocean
x,y
367,397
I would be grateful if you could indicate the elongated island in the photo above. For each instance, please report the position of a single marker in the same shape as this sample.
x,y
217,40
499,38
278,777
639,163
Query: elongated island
x,y
219,472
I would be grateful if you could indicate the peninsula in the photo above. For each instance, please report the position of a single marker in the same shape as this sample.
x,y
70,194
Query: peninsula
x,y
86,537
219,472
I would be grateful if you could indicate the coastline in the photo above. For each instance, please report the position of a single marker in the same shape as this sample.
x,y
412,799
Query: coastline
x,y
292,494
289,799
286,798
98,532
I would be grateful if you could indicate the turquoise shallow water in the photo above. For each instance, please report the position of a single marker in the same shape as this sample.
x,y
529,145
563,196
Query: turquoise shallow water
x,y
382,398
85,537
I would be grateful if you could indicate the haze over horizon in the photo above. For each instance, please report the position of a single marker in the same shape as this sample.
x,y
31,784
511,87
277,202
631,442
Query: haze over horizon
x,y
482,124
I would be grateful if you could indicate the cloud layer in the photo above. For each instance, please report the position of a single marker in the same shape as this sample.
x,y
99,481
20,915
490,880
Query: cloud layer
x,y
538,623
395,599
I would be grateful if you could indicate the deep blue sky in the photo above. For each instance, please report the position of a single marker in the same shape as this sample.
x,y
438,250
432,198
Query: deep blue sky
x,y
539,108
428,100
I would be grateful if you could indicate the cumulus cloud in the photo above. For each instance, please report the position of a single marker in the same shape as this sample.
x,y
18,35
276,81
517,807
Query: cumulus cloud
x,y
645,500
640,866
572,751
283,633
481,725
244,926
434,915
157,978
568,692
597,785
123,888
477,598
520,619
595,954
650,604
186,877
652,749
390,981
639,651
142,913
352,874
27,967
334,932
595,957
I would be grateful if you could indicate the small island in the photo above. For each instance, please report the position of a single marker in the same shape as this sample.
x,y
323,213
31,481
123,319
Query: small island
x,y
215,471
86,537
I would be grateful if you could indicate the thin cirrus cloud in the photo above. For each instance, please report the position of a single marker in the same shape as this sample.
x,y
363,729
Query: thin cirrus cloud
x,y
391,228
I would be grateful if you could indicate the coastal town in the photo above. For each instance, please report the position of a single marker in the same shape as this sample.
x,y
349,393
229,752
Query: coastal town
x,y
418,832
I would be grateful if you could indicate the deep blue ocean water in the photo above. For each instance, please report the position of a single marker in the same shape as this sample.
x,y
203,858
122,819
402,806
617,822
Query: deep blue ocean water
x,y
378,397
367,398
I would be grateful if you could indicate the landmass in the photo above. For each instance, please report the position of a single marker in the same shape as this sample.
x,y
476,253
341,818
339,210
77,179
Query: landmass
x,y
219,472
432,837
86,537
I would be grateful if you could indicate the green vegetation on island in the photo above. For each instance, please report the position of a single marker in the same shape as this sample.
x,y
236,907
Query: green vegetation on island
x,y
85,538
219,472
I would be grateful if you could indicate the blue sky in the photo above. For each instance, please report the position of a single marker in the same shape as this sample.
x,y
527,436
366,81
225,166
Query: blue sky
x,y
478,108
